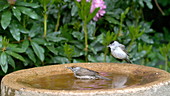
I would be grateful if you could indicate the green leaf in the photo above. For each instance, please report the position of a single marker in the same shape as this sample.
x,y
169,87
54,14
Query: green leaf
x,y
32,5
78,44
78,61
31,55
126,11
5,19
79,9
92,59
53,36
39,51
34,29
146,39
77,52
29,12
55,39
91,29
149,4
25,45
78,35
11,61
15,55
3,62
39,40
3,58
16,13
27,62
4,68
60,60
13,47
141,3
123,14
92,14
86,6
22,29
77,3
74,10
112,20
69,51
18,50
1,41
52,49
1,38
15,31
2,7
108,38
45,2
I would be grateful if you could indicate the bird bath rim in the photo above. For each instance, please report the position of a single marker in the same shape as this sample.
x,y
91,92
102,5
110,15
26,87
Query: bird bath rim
x,y
9,81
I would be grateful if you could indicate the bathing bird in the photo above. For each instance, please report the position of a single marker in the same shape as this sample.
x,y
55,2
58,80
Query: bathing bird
x,y
84,73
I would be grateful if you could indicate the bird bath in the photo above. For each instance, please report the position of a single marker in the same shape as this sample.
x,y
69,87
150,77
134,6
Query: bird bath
x,y
57,80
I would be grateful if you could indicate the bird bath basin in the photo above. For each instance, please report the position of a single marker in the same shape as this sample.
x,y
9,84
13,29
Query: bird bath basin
x,y
57,80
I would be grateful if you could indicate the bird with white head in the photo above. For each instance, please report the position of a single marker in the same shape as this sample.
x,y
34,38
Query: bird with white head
x,y
118,51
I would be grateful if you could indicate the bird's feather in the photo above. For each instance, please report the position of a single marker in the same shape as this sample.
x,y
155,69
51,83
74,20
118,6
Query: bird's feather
x,y
85,72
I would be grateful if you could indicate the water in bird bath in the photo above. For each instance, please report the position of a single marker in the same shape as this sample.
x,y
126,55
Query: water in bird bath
x,y
69,82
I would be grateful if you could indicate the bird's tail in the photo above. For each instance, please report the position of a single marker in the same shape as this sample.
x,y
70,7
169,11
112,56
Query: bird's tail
x,y
101,77
128,61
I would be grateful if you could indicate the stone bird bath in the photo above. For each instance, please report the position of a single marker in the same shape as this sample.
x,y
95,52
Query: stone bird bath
x,y
57,80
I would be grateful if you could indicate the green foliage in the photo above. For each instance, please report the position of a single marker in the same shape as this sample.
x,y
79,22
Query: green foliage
x,y
165,50
39,51
5,19
109,37
9,12
68,51
8,50
41,32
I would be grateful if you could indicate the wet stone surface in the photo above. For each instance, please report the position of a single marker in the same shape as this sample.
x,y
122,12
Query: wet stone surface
x,y
69,82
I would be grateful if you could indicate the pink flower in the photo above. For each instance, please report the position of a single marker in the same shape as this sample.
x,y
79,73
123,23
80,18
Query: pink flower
x,y
97,4
101,12
86,0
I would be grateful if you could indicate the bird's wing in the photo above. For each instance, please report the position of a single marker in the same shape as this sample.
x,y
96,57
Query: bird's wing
x,y
84,72
123,48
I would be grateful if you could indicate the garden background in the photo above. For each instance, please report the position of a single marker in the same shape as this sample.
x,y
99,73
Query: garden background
x,y
47,32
